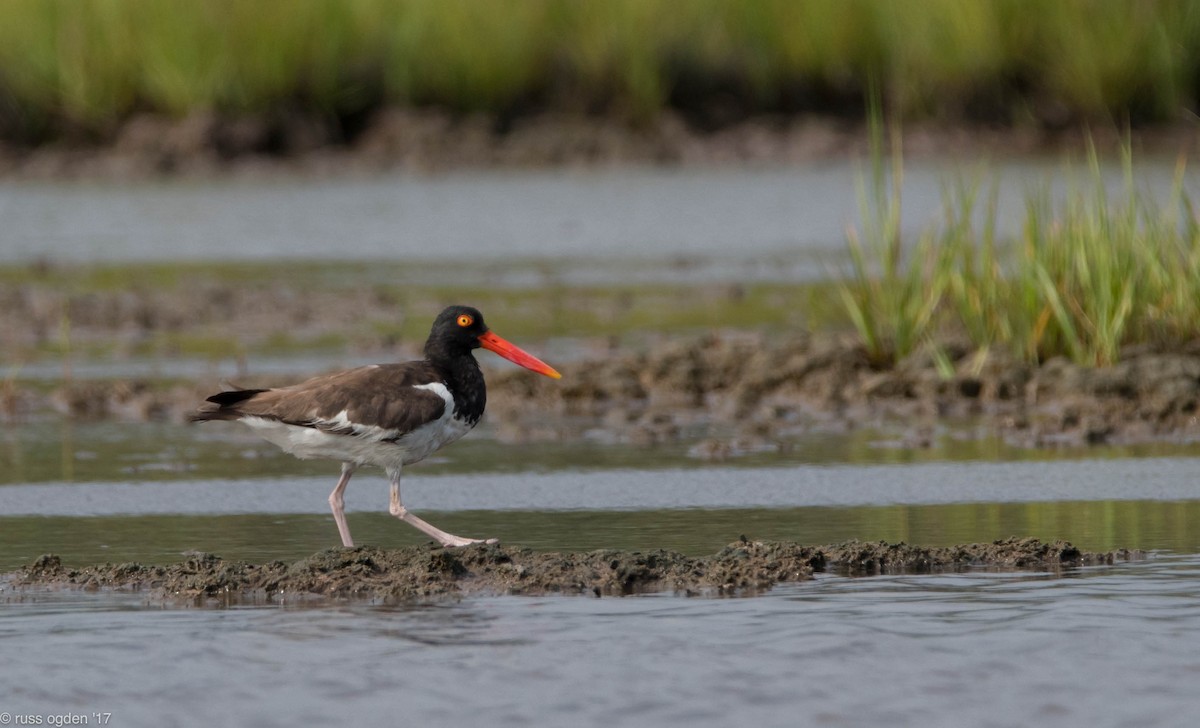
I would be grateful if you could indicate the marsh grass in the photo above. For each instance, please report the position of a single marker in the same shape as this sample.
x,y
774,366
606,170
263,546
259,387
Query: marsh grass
x,y
893,293
1086,276
87,65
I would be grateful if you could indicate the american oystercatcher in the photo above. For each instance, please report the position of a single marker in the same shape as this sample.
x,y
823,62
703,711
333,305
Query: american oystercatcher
x,y
390,415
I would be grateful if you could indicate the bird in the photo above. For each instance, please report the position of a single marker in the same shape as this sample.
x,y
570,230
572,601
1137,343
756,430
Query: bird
x,y
386,415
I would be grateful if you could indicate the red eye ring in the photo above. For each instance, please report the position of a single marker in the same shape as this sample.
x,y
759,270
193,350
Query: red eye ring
x,y
464,320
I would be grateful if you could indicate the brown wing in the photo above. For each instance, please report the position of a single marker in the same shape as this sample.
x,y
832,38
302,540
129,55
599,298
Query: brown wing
x,y
383,396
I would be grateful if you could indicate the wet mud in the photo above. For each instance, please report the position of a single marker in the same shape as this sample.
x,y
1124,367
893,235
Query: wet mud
x,y
427,572
740,393
765,390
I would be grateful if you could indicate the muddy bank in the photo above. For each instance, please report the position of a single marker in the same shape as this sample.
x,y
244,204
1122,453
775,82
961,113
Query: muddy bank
x,y
421,572
743,393
766,390
735,391
429,140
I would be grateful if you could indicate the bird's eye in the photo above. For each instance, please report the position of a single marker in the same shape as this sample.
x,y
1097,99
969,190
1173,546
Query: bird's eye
x,y
465,320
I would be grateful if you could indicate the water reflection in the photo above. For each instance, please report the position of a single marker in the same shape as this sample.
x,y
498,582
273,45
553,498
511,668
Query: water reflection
x,y
61,450
1091,525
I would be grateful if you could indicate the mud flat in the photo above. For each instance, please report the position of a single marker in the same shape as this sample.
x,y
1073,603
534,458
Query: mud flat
x,y
745,393
765,397
744,390
426,572
767,390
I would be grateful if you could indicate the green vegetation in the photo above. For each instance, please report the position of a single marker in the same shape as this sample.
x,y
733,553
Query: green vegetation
x,y
84,66
894,294
1082,279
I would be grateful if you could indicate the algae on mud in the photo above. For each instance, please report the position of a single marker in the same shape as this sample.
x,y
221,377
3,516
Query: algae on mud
x,y
422,572
250,309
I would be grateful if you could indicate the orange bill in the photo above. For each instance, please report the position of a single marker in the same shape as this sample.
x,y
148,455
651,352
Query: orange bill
x,y
513,353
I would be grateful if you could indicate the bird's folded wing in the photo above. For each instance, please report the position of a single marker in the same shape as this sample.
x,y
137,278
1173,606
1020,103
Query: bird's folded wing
x,y
385,400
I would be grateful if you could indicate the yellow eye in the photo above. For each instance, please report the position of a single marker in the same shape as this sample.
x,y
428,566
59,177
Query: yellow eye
x,y
465,320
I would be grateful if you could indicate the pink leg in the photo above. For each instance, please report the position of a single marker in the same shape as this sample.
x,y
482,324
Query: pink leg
x,y
397,509
336,504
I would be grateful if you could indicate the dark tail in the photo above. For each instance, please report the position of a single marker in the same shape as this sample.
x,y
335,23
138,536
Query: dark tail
x,y
224,405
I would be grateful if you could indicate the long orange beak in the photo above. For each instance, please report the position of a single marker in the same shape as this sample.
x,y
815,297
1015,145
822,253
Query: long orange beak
x,y
513,353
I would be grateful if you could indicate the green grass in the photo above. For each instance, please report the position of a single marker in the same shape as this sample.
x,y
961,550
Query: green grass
x,y
894,294
84,66
1085,277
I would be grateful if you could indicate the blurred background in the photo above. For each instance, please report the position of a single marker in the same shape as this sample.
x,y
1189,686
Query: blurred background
x,y
285,77
686,207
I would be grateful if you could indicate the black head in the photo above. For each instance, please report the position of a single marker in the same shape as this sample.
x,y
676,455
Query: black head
x,y
460,329
455,331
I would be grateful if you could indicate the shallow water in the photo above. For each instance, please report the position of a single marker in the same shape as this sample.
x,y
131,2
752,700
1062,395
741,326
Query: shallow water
x,y
607,215
1086,647
1101,647
149,492
600,226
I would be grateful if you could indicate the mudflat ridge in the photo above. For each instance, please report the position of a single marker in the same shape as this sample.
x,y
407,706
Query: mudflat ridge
x,y
426,572
755,394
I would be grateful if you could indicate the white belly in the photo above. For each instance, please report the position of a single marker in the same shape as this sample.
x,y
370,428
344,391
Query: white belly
x,y
365,444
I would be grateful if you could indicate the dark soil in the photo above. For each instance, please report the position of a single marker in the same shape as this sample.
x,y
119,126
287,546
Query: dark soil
x,y
422,572
425,140
767,390
742,393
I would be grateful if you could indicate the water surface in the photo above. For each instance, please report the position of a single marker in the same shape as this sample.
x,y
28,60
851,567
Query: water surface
x,y
626,224
150,492
1109,646
1082,647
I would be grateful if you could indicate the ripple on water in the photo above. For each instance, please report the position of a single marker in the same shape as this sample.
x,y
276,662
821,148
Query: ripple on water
x,y
1101,646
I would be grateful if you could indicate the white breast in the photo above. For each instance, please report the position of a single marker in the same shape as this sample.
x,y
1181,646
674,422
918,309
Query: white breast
x,y
429,437
368,444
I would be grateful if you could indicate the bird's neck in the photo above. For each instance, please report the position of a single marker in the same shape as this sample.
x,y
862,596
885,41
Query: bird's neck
x,y
464,379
